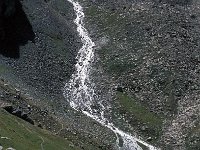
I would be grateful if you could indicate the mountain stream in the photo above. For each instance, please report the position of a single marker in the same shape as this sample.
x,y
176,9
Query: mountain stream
x,y
81,94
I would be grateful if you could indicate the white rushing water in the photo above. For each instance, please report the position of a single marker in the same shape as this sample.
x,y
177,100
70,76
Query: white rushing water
x,y
80,93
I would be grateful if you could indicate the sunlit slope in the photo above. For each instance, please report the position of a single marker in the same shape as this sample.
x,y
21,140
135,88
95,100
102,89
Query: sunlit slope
x,y
21,135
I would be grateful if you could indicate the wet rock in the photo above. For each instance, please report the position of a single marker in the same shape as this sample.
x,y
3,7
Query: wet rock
x,y
149,139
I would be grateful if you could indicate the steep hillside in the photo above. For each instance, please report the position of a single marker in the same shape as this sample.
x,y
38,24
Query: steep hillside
x,y
35,67
146,71
21,135
148,59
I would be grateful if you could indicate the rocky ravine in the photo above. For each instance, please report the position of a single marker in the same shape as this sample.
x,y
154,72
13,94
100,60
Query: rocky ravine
x,y
147,57
81,94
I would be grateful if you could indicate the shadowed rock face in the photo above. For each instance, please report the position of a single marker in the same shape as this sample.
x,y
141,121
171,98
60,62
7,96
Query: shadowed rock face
x,y
15,29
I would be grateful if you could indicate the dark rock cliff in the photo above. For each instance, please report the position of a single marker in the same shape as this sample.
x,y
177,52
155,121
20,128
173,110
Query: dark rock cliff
x,y
15,29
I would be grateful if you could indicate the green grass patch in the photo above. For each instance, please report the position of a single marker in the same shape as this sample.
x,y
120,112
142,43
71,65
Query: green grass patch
x,y
23,136
92,11
140,115
139,111
107,21
119,68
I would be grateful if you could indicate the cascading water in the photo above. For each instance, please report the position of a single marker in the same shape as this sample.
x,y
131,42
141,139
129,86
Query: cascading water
x,y
79,90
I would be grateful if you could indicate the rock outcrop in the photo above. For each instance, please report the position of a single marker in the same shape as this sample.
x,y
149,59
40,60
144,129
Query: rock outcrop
x,y
15,29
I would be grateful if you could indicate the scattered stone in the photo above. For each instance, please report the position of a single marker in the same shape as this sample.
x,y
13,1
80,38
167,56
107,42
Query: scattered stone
x,y
4,104
17,96
144,128
193,16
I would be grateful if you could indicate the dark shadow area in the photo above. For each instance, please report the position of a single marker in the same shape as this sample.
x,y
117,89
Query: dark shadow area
x,y
15,28
19,113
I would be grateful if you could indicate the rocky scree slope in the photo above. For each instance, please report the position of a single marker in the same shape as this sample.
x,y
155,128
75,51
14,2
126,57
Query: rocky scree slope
x,y
34,71
148,67
47,61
